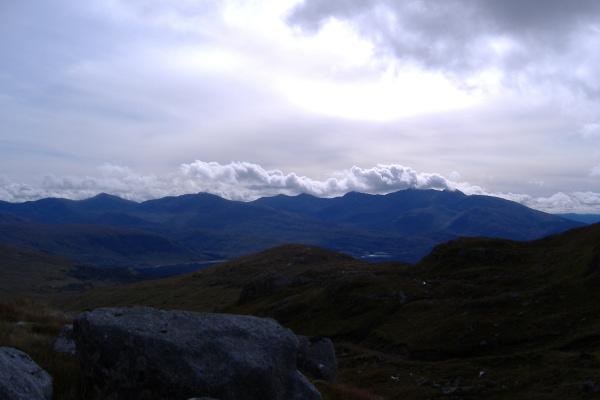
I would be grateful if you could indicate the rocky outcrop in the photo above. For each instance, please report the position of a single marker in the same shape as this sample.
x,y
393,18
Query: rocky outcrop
x,y
64,342
146,354
21,378
316,358
268,285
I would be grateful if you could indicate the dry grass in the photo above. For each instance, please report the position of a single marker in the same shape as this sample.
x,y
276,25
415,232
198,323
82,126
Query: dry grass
x,y
478,318
29,326
343,392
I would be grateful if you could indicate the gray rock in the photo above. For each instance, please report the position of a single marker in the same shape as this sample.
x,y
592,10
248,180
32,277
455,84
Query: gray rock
x,y
203,398
316,358
64,342
21,378
147,354
589,386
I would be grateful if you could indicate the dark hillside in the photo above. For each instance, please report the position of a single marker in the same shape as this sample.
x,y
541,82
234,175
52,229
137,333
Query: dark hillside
x,y
34,275
404,225
96,244
304,204
412,212
59,211
477,318
585,218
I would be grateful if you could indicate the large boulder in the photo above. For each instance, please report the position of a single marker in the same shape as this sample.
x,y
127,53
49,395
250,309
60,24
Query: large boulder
x,y
21,378
144,353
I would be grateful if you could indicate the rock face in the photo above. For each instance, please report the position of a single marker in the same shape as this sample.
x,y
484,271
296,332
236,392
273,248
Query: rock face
x,y
316,358
64,342
21,378
144,353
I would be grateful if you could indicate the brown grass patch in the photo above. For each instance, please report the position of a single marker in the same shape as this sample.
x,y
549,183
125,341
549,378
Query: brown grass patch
x,y
31,327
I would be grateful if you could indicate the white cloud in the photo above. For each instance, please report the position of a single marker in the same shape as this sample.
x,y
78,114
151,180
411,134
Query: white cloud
x,y
576,202
465,37
148,84
244,181
591,130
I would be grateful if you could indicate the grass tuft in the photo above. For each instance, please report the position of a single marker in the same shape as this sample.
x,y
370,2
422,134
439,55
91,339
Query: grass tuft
x,y
31,327
343,392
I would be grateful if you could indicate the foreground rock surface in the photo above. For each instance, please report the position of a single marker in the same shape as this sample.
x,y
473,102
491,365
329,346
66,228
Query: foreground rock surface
x,y
144,353
316,358
21,378
64,343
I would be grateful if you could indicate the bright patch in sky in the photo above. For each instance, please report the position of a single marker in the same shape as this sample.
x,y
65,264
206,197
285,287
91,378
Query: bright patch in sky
x,y
390,97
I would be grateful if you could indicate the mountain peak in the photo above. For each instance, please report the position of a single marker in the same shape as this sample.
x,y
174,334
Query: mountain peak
x,y
105,201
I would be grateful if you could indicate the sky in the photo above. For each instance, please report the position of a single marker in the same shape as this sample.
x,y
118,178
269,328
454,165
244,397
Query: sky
x,y
251,98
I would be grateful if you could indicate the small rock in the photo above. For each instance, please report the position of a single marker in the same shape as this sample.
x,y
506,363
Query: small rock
x,y
64,342
590,387
203,398
456,390
316,358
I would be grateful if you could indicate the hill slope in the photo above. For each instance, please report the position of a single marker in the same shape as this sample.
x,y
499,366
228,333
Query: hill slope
x,y
405,225
34,275
477,318
99,245
585,218
413,212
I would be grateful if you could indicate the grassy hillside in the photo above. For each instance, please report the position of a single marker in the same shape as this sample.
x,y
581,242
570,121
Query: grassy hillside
x,y
34,275
100,245
477,318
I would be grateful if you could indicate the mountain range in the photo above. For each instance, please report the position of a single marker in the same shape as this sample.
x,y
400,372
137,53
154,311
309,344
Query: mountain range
x,y
476,317
106,230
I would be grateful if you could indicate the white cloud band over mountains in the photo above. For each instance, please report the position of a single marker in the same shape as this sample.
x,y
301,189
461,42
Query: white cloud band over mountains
x,y
244,181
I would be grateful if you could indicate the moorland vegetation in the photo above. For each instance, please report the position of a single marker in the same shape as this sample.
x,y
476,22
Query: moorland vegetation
x,y
476,318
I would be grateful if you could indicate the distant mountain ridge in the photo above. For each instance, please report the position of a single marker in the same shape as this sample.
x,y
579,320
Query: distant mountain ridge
x,y
403,225
585,218
413,212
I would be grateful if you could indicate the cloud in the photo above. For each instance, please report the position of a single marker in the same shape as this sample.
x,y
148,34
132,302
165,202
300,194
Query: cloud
x,y
247,181
576,202
244,181
536,40
591,130
374,81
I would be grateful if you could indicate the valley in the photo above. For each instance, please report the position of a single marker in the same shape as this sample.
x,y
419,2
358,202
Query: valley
x,y
476,317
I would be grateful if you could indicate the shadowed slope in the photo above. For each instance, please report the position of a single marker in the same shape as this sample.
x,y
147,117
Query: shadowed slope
x,y
404,225
488,318
99,245
34,275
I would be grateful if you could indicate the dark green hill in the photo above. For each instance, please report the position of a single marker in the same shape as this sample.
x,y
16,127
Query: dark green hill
x,y
98,245
34,275
477,318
